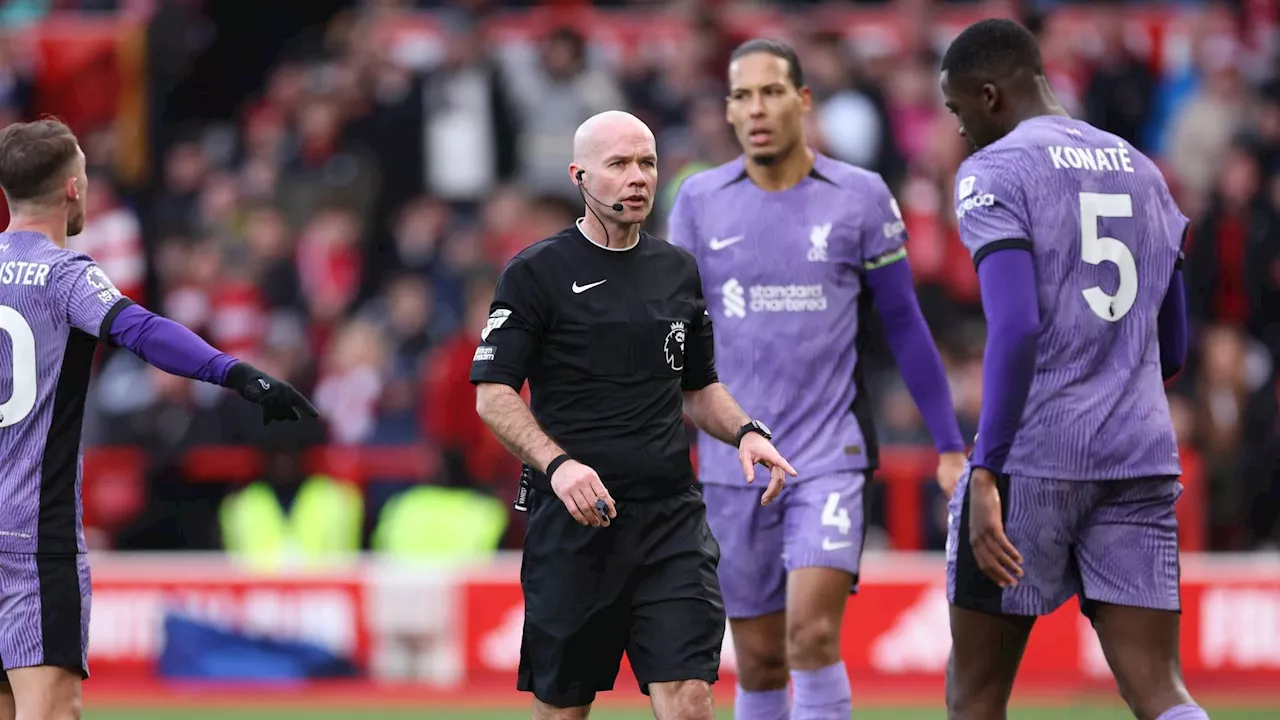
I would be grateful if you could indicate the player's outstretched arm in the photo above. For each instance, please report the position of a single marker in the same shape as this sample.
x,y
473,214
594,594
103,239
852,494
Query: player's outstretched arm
x,y
1172,327
176,350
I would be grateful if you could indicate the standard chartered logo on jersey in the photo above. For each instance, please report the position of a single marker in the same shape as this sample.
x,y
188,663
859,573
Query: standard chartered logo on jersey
x,y
771,298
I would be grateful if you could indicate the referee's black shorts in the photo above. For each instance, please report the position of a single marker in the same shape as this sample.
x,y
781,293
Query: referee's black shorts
x,y
646,584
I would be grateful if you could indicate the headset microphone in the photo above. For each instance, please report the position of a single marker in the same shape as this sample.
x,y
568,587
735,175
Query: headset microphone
x,y
617,207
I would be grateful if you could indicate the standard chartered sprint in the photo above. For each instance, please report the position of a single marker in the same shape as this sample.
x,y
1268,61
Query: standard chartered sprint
x,y
771,298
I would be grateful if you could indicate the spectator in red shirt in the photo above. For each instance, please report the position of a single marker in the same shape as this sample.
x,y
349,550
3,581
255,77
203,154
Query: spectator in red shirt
x,y
1232,254
472,456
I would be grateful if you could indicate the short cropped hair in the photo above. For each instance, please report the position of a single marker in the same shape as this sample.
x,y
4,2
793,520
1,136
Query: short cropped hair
x,y
776,48
993,48
34,157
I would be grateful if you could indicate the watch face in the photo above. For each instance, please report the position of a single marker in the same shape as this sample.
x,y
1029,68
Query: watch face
x,y
763,427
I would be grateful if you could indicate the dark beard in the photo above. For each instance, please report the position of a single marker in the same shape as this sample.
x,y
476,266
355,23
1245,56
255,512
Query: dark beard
x,y
764,160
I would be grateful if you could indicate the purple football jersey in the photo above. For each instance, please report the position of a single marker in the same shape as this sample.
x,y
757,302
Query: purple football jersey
x,y
54,305
782,275
1106,237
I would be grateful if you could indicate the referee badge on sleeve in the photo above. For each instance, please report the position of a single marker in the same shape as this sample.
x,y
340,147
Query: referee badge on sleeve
x,y
496,319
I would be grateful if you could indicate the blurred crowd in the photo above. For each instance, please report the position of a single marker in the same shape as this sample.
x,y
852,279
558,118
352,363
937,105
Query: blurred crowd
x,y
344,229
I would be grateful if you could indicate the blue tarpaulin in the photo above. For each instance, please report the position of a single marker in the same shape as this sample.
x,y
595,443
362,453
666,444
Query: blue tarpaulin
x,y
199,650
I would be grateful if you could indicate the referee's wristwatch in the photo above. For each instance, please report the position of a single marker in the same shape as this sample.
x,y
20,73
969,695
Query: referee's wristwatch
x,y
755,426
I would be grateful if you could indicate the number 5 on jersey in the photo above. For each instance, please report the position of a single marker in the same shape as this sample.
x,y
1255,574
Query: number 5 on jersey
x,y
1096,249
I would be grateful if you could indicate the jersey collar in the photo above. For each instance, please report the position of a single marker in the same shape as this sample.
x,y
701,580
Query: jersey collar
x,y
578,225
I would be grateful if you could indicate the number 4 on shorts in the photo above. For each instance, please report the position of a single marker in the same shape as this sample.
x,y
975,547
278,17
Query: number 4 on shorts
x,y
835,516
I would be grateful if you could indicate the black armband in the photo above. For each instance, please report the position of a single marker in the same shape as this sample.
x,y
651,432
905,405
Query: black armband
x,y
555,464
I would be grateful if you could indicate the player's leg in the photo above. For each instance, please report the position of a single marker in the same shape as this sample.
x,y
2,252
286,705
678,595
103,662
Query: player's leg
x,y
825,521
7,709
574,581
46,692
989,624
44,610
753,580
677,612
1128,556
986,651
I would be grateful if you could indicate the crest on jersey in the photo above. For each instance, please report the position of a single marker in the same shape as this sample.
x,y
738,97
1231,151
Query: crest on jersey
x,y
98,280
818,240
673,347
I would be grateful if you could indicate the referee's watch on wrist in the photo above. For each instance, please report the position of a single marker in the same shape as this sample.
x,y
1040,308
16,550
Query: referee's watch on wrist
x,y
755,426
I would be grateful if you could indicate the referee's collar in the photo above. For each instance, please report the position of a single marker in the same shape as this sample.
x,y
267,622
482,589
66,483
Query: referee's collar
x,y
578,226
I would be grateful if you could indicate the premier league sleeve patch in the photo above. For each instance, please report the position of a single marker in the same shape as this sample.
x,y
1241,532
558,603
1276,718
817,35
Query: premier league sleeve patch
x,y
673,346
102,285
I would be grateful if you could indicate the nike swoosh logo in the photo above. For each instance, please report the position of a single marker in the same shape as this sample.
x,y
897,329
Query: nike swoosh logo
x,y
718,244
828,545
583,288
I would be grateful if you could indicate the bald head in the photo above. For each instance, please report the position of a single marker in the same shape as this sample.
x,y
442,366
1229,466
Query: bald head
x,y
615,160
603,128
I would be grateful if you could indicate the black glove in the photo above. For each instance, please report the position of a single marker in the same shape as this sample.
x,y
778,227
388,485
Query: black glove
x,y
280,401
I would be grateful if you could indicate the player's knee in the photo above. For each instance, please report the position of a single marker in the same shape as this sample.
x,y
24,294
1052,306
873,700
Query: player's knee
x,y
813,641
70,710
683,700
966,704
63,709
975,701
761,670
543,711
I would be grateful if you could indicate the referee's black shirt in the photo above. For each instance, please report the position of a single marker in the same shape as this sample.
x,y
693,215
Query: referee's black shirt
x,y
608,340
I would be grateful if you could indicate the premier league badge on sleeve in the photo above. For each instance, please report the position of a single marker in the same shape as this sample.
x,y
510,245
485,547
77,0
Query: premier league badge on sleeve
x,y
673,348
98,280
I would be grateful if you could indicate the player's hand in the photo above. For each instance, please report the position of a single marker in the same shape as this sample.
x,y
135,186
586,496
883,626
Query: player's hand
x,y
756,449
280,401
996,556
579,487
950,468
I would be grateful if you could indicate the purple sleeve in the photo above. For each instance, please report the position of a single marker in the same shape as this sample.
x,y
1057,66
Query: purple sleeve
x,y
913,348
1012,307
90,298
990,212
1172,327
168,345
884,234
681,226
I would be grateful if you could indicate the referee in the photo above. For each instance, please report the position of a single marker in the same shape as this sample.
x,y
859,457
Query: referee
x,y
609,326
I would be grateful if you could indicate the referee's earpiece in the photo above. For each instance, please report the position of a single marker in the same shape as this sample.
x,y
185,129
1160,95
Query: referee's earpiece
x,y
617,207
